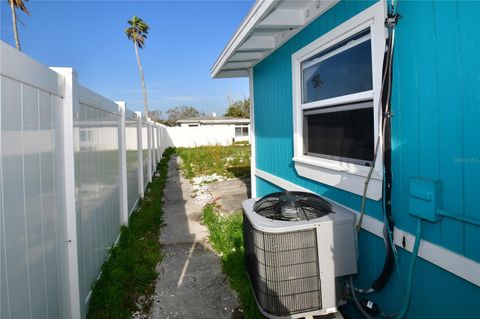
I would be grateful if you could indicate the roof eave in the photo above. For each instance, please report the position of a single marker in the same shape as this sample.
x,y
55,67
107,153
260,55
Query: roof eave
x,y
245,50
258,11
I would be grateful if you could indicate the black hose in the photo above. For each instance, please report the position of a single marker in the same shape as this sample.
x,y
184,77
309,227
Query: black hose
x,y
357,302
389,262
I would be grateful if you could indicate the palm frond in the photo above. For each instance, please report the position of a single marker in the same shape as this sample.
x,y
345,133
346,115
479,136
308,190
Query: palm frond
x,y
20,4
138,31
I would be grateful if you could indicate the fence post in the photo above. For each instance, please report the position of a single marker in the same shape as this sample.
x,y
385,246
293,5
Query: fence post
x,y
70,99
122,148
149,148
140,154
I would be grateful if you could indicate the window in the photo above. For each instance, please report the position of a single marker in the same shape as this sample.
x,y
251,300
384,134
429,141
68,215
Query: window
x,y
339,131
241,130
344,133
336,85
85,135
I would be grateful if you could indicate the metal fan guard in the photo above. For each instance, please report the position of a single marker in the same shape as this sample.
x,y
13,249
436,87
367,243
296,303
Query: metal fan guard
x,y
292,206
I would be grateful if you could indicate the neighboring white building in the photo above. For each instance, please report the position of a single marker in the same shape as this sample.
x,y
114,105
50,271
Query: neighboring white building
x,y
235,129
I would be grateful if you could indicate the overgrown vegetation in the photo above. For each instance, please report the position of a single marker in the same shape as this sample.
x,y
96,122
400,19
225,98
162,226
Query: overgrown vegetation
x,y
241,143
226,237
128,276
183,112
228,161
239,108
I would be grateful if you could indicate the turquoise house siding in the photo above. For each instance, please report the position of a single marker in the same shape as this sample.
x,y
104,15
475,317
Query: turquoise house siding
x,y
435,133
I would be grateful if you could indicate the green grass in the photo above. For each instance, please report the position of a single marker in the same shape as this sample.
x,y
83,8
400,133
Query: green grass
x,y
226,237
130,271
228,161
246,143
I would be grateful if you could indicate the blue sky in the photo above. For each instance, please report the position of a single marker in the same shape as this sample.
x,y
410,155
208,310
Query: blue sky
x,y
184,42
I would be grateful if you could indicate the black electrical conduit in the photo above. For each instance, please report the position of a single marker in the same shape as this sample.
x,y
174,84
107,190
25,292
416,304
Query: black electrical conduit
x,y
388,228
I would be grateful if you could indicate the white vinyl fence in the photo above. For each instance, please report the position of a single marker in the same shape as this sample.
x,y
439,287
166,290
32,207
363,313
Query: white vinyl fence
x,y
73,166
201,135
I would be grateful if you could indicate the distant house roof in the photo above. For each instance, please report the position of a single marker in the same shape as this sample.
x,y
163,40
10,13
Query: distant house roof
x,y
215,120
267,26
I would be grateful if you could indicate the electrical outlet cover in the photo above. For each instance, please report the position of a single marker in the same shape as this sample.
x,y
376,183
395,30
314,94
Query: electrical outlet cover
x,y
425,197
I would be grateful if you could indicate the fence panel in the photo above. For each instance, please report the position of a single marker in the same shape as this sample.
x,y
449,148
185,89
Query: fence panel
x,y
200,136
140,154
33,268
97,179
132,159
152,148
162,139
71,169
145,151
157,132
165,140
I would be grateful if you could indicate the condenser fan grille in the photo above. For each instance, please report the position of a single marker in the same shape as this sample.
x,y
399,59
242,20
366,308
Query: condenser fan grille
x,y
292,206
283,270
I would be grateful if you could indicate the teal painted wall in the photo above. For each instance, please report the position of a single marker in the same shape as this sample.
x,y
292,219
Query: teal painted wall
x,y
435,133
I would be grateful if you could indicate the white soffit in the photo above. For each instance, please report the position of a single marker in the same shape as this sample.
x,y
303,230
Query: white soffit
x,y
268,25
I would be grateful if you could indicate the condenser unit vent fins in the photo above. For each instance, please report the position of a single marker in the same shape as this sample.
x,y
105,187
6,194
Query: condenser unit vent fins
x,y
283,270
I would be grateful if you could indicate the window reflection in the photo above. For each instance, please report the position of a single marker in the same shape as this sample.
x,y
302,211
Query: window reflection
x,y
344,69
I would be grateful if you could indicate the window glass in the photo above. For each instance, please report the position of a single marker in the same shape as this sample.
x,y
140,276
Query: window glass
x,y
241,130
238,131
343,69
342,132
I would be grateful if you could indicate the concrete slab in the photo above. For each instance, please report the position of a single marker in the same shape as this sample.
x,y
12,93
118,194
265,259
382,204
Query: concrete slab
x,y
230,193
182,215
191,283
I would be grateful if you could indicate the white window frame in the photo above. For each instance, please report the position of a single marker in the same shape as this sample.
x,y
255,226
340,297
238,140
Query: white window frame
x,y
344,175
242,126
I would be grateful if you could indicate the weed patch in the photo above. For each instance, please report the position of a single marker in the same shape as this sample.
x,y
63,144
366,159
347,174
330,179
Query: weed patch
x,y
128,275
241,143
226,237
227,161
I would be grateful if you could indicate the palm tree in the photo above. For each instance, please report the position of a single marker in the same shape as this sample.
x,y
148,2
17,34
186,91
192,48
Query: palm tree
x,y
14,5
137,32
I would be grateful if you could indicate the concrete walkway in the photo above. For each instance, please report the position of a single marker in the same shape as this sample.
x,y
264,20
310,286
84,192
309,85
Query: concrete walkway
x,y
191,283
